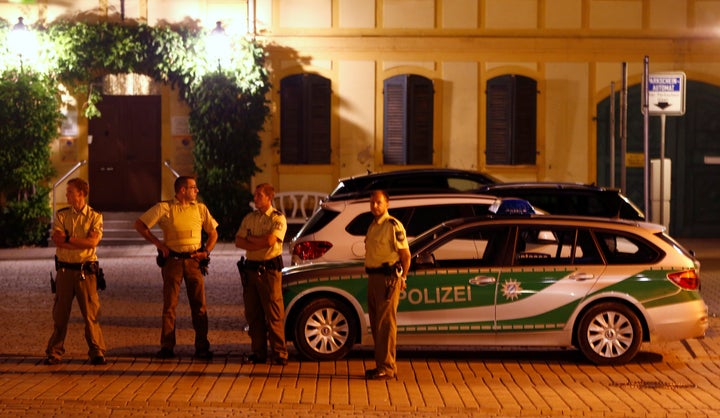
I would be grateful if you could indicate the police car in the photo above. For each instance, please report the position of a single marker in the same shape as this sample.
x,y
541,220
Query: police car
x,y
602,286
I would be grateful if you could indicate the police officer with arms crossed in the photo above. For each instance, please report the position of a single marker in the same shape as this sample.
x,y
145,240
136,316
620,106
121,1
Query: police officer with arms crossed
x,y
387,260
261,234
76,233
182,257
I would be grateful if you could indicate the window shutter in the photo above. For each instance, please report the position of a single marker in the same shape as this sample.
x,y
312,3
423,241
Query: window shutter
x,y
524,144
305,109
511,120
499,120
291,119
420,120
318,119
394,128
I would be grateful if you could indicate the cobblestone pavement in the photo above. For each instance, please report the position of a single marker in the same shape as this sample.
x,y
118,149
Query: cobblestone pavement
x,y
672,379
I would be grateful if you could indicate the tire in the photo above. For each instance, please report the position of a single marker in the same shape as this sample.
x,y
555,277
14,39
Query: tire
x,y
609,333
325,330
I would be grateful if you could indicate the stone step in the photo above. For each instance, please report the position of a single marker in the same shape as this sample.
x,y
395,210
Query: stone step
x,y
119,229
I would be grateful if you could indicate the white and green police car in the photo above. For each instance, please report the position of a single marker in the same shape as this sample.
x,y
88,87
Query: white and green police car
x,y
603,286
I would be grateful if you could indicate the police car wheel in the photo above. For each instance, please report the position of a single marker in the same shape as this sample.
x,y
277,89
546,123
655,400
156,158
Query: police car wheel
x,y
325,330
609,333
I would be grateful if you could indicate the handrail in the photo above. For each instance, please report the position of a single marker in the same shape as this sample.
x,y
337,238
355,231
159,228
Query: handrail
x,y
166,163
57,183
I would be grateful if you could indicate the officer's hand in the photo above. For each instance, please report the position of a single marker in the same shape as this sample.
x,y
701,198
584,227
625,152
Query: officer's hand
x,y
403,283
201,255
165,250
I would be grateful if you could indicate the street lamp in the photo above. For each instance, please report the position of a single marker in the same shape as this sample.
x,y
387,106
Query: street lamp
x,y
21,41
218,46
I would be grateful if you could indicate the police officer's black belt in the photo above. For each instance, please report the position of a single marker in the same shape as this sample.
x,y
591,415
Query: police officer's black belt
x,y
173,254
254,265
384,269
75,266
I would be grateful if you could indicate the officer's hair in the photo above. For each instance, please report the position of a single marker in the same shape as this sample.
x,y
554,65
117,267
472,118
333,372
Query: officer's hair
x,y
181,182
81,185
267,189
381,192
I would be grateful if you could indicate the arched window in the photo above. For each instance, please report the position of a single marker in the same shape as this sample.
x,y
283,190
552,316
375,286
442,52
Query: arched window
x,y
511,135
408,127
305,101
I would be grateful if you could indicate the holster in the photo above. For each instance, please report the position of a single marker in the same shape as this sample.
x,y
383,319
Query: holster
x,y
52,283
241,270
100,280
160,259
393,278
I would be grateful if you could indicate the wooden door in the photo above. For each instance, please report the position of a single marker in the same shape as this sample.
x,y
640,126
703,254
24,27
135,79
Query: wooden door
x,y
124,163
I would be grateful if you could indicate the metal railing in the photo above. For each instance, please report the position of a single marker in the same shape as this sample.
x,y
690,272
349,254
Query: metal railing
x,y
57,183
166,163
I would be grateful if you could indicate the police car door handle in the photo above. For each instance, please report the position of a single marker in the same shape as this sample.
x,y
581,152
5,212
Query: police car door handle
x,y
582,276
482,280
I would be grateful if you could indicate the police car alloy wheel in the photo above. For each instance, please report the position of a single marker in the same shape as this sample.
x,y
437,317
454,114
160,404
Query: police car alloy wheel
x,y
325,330
609,333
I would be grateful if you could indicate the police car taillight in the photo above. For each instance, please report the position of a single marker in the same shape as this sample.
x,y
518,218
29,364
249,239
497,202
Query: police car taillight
x,y
310,250
512,206
687,279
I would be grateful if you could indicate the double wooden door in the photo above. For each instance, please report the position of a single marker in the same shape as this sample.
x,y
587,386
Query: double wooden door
x,y
124,154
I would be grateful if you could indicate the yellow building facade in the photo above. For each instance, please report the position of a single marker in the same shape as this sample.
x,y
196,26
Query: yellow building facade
x,y
573,49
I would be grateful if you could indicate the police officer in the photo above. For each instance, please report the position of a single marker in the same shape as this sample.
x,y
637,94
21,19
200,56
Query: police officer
x,y
261,234
182,256
76,233
387,260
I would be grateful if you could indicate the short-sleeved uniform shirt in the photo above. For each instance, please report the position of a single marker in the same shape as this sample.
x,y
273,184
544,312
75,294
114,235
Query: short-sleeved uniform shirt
x,y
385,237
272,222
79,224
182,225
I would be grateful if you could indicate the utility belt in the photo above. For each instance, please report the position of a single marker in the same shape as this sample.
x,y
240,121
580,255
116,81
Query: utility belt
x,y
386,269
173,254
204,263
91,267
272,264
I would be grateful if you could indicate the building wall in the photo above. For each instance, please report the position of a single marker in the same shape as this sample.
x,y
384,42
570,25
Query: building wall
x,y
573,48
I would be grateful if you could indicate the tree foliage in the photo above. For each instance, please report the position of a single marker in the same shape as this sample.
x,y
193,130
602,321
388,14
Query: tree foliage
x,y
228,105
28,124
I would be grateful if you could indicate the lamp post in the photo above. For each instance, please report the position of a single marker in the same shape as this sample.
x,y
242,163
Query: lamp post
x,y
21,41
218,45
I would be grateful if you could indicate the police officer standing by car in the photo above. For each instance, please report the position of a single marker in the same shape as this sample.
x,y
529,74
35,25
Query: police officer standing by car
x,y
76,233
387,260
261,234
182,256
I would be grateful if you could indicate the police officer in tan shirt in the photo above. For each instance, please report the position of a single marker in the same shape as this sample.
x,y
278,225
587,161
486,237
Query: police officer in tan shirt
x,y
181,254
261,234
76,233
387,260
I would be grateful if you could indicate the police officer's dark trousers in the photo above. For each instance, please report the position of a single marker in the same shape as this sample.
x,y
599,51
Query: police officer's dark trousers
x,y
382,309
72,284
174,272
264,304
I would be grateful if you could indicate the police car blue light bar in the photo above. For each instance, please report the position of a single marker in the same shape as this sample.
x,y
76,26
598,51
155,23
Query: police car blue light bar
x,y
512,206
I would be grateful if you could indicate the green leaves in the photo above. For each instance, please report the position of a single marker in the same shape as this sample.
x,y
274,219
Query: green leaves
x,y
228,105
28,124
